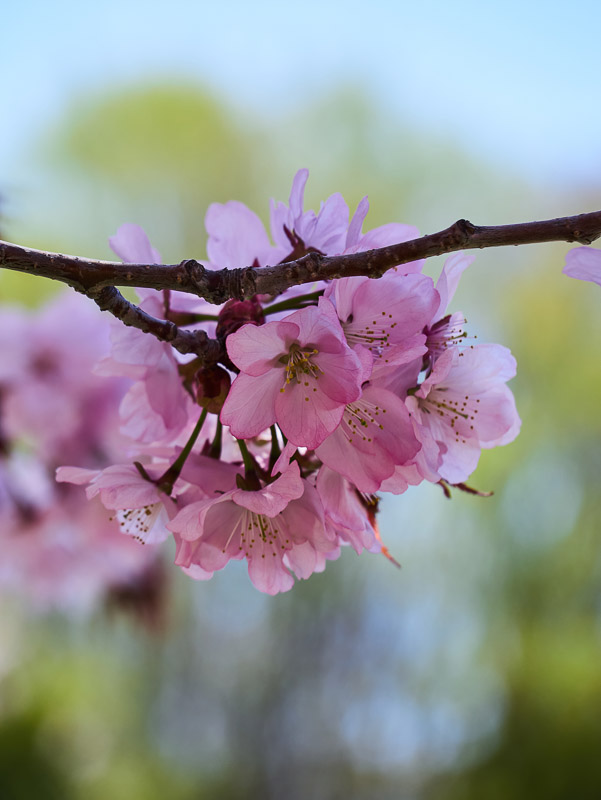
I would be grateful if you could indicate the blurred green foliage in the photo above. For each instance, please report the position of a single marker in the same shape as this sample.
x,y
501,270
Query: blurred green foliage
x,y
471,673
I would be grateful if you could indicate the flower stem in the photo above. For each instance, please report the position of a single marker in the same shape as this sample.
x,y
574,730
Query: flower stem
x,y
214,450
251,481
275,448
294,302
249,463
168,478
181,318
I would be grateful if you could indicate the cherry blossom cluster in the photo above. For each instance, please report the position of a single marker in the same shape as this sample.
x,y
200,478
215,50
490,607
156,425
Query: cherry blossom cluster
x,y
325,396
59,551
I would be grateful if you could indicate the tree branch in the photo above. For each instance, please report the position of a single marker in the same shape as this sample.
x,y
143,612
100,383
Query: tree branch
x,y
110,299
98,279
217,286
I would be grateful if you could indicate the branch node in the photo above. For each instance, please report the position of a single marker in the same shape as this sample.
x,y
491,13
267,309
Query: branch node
x,y
248,283
314,261
583,238
462,230
196,274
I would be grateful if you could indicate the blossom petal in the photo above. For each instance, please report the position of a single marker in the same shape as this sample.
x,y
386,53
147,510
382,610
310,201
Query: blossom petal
x,y
407,301
268,574
132,245
273,498
447,283
76,475
341,375
255,348
297,193
250,405
584,264
121,487
327,230
306,418
305,520
354,229
319,325
391,233
236,235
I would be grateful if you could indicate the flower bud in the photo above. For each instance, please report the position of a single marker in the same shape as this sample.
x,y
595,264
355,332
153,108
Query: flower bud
x,y
236,313
212,386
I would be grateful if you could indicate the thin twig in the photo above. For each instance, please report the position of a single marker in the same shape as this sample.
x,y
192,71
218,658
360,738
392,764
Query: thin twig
x,y
110,299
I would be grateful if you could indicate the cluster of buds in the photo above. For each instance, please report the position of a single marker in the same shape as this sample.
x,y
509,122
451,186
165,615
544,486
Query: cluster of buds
x,y
327,395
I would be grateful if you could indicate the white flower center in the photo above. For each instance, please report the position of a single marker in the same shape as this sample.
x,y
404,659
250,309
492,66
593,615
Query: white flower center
x,y
138,522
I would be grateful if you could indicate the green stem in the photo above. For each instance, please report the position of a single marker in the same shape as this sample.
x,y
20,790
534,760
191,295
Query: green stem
x,y
249,463
204,317
142,471
275,448
250,482
168,478
293,303
181,318
215,448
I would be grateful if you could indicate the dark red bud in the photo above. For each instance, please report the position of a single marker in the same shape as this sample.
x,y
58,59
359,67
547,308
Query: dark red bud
x,y
236,313
212,385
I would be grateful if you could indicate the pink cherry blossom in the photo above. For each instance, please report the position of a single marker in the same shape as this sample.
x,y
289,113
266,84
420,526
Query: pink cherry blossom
x,y
142,511
384,315
325,231
374,435
59,550
299,372
277,528
296,231
467,406
447,330
345,515
369,388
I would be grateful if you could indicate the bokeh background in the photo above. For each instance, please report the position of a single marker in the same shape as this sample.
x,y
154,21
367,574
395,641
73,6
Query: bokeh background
x,y
475,670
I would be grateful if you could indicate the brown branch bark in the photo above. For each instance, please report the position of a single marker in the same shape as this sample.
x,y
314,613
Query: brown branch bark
x,y
110,299
98,279
217,286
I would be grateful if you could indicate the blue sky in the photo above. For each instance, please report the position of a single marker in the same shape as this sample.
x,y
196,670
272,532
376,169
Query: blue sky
x,y
517,83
